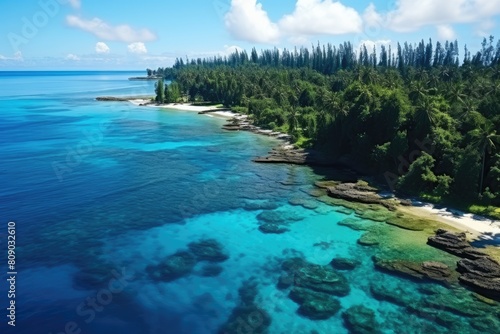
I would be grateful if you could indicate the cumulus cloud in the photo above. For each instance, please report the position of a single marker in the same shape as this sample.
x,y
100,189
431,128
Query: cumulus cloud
x,y
411,15
101,47
326,17
445,32
137,48
247,20
72,57
371,17
103,30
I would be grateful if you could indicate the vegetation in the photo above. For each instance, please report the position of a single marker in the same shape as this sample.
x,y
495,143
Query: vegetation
x,y
420,117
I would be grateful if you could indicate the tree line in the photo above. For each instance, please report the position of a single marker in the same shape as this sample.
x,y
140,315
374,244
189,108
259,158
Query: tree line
x,y
372,109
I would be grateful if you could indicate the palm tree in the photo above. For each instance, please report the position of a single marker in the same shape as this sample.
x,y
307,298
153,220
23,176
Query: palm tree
x,y
426,113
484,138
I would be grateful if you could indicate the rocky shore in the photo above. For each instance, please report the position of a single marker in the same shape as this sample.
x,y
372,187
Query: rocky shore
x,y
477,269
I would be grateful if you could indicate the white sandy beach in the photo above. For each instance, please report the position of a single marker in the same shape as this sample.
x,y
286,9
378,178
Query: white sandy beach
x,y
477,227
185,107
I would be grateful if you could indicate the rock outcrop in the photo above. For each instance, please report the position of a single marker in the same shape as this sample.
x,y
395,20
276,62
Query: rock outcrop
x,y
482,275
435,271
477,270
454,243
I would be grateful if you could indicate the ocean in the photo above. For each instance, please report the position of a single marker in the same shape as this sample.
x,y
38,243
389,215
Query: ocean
x,y
107,198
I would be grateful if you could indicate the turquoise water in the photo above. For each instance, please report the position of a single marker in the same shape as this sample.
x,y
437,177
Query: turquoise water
x,y
101,191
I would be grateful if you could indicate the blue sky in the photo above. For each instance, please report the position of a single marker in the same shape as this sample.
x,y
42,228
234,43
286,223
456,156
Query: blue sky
x,y
135,34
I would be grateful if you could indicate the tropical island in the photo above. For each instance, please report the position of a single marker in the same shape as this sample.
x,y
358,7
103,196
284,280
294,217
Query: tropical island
x,y
420,120
387,131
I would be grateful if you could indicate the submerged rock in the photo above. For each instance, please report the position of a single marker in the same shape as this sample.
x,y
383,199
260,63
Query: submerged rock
x,y
314,305
247,319
369,239
278,217
173,267
344,264
272,229
304,202
361,320
208,250
395,296
356,224
316,277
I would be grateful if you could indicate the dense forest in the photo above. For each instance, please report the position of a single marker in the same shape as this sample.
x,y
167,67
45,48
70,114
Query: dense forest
x,y
420,117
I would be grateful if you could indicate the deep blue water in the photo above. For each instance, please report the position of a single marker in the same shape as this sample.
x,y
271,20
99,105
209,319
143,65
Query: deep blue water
x,y
103,190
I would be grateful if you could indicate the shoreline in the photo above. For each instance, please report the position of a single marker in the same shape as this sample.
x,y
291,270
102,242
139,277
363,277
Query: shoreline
x,y
476,227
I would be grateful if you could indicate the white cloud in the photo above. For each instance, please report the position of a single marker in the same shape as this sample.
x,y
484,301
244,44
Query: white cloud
x,y
371,17
101,47
137,48
246,20
75,3
228,49
104,31
72,57
410,15
446,32
369,44
18,56
327,17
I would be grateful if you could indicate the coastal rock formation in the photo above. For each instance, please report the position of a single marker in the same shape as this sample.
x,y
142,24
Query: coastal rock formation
x,y
482,274
208,250
477,270
355,192
454,243
361,320
314,305
289,155
435,271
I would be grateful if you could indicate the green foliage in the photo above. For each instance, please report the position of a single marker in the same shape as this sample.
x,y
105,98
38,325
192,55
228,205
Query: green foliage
x,y
160,91
420,177
172,93
415,112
